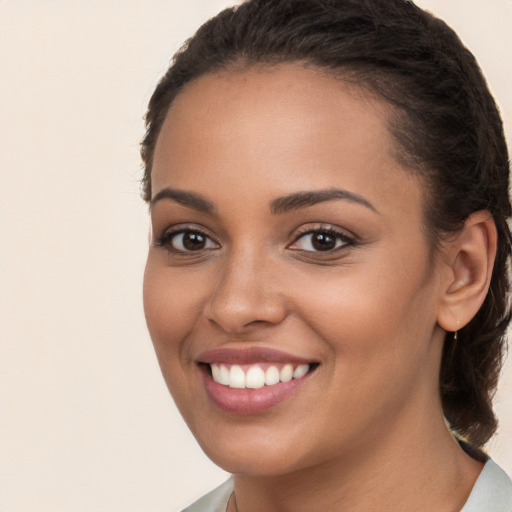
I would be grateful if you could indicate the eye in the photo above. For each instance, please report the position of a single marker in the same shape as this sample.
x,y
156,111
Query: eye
x,y
321,240
186,241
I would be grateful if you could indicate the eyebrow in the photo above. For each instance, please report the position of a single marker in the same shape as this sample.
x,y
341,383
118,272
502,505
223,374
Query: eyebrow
x,y
186,198
280,205
299,200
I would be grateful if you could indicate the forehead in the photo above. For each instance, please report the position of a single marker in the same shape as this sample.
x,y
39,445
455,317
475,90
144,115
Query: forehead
x,y
289,126
284,95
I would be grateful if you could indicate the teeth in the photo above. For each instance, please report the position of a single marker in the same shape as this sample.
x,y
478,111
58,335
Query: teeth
x,y
300,371
271,376
236,377
220,374
223,375
286,373
255,377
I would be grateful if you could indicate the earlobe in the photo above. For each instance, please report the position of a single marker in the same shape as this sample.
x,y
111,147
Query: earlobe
x,y
470,257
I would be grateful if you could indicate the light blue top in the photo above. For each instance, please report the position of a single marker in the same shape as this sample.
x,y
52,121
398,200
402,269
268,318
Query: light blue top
x,y
492,492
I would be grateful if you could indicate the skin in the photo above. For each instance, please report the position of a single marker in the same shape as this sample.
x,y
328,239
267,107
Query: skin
x,y
370,312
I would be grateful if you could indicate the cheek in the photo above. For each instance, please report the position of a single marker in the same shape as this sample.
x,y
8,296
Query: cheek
x,y
171,306
372,318
380,350
172,303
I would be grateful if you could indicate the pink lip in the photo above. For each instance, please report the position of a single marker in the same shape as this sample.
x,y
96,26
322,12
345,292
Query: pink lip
x,y
249,401
248,356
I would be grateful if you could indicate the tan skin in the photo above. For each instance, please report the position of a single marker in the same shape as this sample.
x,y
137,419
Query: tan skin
x,y
366,430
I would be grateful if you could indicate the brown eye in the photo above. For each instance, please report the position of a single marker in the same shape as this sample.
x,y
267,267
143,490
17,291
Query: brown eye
x,y
321,240
193,241
187,241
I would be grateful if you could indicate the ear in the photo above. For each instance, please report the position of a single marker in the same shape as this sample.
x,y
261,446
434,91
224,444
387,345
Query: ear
x,y
470,259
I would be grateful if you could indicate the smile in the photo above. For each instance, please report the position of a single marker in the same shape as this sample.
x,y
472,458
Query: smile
x,y
252,380
256,376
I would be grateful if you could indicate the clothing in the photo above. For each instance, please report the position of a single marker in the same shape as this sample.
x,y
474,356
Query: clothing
x,y
214,501
492,492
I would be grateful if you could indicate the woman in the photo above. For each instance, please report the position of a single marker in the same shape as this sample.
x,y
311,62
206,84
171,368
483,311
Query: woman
x,y
326,285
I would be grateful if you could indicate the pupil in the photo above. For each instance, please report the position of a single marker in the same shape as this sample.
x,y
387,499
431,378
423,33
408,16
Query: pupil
x,y
193,241
323,241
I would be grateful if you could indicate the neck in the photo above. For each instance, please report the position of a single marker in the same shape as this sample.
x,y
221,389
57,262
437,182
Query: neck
x,y
420,469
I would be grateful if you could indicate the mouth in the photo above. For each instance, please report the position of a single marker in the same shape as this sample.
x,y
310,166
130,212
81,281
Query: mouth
x,y
256,376
252,380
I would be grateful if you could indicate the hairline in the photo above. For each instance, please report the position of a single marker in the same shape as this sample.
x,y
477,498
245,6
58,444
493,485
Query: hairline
x,y
350,77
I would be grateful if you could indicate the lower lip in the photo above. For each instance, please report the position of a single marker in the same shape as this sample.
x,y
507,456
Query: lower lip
x,y
250,401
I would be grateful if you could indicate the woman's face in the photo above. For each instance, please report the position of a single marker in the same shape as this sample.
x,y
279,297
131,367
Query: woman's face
x,y
286,238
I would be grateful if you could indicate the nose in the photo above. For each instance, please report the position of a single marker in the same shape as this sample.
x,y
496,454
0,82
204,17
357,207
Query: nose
x,y
246,295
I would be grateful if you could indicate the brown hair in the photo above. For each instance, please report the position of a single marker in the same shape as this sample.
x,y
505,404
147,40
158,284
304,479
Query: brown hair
x,y
447,127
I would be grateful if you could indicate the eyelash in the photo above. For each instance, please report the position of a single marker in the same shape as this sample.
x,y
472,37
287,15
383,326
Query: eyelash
x,y
168,237
338,235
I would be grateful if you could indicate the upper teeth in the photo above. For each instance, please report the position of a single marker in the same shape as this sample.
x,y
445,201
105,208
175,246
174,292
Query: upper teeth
x,y
255,377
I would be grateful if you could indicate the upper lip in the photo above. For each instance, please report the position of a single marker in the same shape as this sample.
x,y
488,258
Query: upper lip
x,y
249,355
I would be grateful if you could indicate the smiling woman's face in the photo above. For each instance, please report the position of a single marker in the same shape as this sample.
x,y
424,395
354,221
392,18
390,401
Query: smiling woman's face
x,y
287,238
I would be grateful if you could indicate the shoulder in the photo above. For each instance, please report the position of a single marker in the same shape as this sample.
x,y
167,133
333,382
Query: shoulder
x,y
492,491
214,501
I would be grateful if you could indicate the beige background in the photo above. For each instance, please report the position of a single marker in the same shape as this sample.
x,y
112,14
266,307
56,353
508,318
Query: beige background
x,y
86,423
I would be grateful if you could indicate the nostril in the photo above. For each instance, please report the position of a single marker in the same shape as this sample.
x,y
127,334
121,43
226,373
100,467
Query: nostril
x,y
246,312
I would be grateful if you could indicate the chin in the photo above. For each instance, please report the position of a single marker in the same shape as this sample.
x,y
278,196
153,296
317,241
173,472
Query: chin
x,y
257,465
256,456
